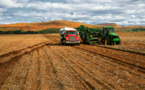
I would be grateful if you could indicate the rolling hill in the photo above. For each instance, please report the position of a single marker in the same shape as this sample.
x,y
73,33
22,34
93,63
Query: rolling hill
x,y
56,24
111,24
43,25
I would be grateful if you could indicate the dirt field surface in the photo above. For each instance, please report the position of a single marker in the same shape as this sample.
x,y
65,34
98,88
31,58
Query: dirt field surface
x,y
39,62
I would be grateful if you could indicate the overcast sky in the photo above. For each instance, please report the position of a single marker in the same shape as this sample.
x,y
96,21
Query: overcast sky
x,y
122,12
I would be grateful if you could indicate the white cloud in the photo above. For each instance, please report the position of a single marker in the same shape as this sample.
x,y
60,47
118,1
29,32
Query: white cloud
x,y
87,11
53,15
88,1
68,6
2,9
141,5
9,4
21,1
47,6
130,11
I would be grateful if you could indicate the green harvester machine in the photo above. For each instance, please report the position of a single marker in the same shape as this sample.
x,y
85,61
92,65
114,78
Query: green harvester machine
x,y
104,35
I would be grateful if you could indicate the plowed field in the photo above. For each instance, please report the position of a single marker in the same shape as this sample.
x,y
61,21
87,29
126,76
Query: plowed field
x,y
34,62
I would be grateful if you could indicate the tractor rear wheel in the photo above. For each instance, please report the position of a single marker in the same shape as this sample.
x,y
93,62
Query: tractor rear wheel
x,y
99,40
107,41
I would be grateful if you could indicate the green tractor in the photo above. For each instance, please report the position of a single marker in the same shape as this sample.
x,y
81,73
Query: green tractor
x,y
104,35
109,37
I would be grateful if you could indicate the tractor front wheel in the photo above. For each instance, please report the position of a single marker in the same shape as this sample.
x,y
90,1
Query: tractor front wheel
x,y
118,43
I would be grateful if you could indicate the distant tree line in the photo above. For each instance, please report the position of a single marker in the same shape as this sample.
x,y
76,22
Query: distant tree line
x,y
50,30
56,30
132,30
138,29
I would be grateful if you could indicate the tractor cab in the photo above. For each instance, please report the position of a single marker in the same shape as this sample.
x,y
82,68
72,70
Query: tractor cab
x,y
107,30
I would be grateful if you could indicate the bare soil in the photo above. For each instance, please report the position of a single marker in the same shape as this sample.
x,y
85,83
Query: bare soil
x,y
39,61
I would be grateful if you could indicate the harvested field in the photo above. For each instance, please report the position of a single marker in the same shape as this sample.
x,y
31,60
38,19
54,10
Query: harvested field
x,y
130,42
39,62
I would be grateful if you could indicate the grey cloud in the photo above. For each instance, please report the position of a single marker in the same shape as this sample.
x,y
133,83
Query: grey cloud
x,y
105,12
118,20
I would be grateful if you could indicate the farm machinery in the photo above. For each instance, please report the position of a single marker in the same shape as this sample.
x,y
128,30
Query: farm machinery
x,y
69,36
104,35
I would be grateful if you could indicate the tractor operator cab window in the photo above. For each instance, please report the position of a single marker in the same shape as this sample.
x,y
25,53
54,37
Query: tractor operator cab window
x,y
111,30
71,32
105,31
108,30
